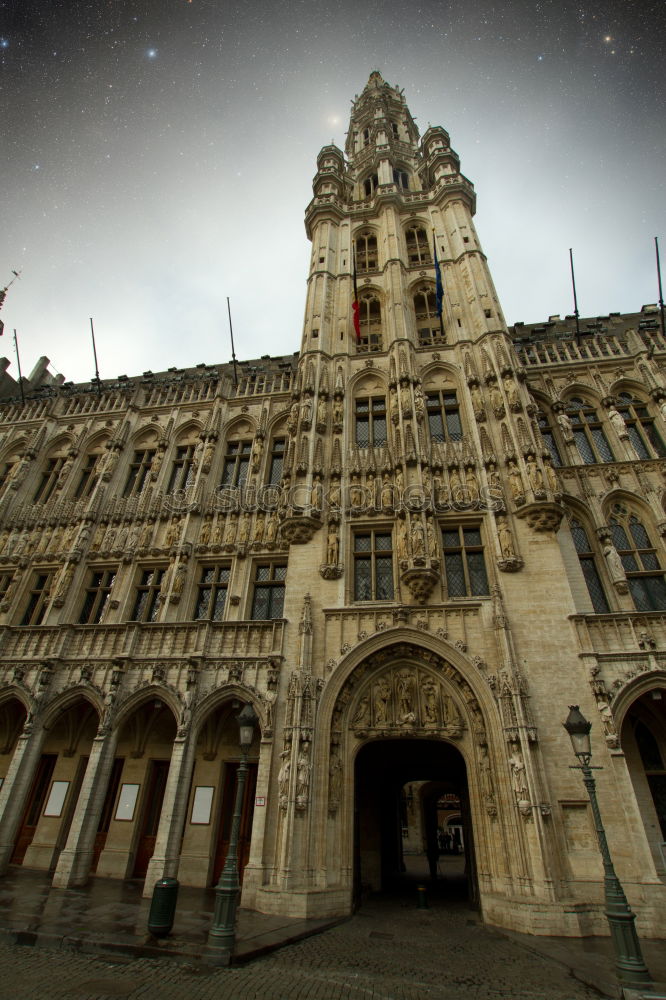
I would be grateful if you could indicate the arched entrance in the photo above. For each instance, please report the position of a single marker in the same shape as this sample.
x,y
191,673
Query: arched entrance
x,y
643,740
406,790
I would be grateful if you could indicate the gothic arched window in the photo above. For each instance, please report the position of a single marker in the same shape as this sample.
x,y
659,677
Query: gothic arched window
x,y
639,559
418,247
370,185
428,326
400,179
366,251
589,567
653,759
640,427
590,439
549,438
370,316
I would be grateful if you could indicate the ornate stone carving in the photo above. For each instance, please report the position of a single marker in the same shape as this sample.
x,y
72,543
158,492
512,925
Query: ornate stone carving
x,y
296,530
542,516
420,581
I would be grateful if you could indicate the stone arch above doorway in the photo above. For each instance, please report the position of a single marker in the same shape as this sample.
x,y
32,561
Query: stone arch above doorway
x,y
406,689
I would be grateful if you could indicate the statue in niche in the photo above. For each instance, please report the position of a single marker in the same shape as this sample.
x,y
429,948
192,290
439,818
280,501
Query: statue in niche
x,y
477,403
303,768
614,561
337,412
387,493
362,713
518,776
230,529
418,537
306,412
552,478
321,412
516,482
355,493
173,532
334,778
432,539
283,778
96,542
292,421
259,525
505,538
399,484
496,401
456,489
334,494
185,712
608,722
197,458
257,452
147,533
65,584
382,695
65,470
209,451
430,701
564,423
617,420
419,405
218,532
403,547
271,528
534,474
472,485
511,393
156,463
486,779
394,406
316,495
332,545
244,533
405,686
206,530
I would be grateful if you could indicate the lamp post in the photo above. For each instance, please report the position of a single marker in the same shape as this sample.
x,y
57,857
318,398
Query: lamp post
x,y
630,966
222,935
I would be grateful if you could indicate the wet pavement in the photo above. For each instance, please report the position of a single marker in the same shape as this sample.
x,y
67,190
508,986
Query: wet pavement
x,y
389,949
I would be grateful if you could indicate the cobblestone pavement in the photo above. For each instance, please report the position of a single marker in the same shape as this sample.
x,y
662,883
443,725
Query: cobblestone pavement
x,y
388,951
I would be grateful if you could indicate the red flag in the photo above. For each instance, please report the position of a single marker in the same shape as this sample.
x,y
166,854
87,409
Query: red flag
x,y
355,304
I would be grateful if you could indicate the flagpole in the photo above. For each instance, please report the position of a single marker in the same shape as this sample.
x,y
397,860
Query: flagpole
x,y
661,294
573,283
439,287
18,362
92,334
233,352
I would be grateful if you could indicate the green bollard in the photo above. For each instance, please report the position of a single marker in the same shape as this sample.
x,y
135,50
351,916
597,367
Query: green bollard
x,y
163,907
422,897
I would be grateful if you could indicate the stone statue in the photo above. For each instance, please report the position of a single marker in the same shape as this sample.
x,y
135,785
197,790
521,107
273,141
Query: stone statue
x,y
430,701
403,549
332,545
477,402
334,778
564,423
206,530
316,496
518,776
362,713
515,482
615,567
382,694
511,393
535,475
283,778
244,533
472,484
405,686
303,768
505,538
617,420
337,412
259,526
418,537
321,412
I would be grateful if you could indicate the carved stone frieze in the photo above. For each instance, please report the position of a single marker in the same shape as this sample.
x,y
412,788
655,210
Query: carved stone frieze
x,y
297,530
542,517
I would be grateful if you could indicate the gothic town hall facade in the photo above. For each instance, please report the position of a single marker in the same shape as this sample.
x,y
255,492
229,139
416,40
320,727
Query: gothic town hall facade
x,y
410,550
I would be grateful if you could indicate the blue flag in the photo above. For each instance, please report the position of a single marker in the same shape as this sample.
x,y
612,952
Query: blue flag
x,y
439,287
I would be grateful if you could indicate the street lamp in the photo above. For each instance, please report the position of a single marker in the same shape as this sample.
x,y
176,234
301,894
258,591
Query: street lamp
x,y
222,935
631,969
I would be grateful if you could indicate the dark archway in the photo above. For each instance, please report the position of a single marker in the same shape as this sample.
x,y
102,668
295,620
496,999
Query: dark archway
x,y
383,768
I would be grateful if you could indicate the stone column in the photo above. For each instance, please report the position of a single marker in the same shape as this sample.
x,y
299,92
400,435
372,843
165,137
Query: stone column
x,y
166,857
253,875
76,857
16,789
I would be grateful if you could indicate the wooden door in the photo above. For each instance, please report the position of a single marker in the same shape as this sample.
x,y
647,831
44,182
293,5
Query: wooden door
x,y
226,816
158,771
33,810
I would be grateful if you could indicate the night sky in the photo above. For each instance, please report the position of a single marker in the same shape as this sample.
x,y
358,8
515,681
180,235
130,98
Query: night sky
x,y
157,156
